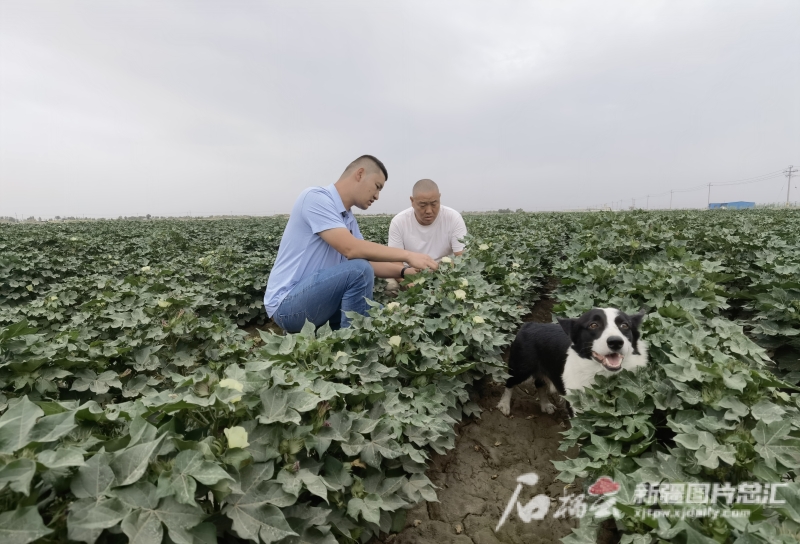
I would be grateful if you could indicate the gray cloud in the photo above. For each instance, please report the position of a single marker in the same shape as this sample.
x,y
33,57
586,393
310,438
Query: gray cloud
x,y
128,108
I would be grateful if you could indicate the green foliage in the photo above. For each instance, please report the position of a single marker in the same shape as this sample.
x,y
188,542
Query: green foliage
x,y
134,407
708,409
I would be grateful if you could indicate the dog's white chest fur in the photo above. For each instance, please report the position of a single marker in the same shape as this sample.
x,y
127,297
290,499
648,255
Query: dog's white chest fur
x,y
580,372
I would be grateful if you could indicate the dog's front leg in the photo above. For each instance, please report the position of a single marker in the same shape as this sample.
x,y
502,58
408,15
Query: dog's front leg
x,y
505,402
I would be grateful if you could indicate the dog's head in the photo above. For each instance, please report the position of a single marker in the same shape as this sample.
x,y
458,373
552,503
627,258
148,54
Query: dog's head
x,y
605,335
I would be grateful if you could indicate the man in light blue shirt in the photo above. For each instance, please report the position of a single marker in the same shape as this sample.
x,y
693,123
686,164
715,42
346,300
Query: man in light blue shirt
x,y
324,267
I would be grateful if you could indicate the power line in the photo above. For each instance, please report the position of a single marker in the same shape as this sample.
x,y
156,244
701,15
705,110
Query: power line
x,y
789,173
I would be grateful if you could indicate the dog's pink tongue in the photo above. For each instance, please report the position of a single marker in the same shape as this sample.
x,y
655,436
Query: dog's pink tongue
x,y
612,361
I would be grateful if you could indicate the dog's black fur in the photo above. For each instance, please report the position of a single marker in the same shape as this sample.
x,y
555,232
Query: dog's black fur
x,y
551,353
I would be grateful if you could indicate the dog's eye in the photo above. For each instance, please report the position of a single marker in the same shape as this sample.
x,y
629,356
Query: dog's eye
x,y
593,326
624,326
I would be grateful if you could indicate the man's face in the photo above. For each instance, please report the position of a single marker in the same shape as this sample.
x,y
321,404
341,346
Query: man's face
x,y
426,207
369,188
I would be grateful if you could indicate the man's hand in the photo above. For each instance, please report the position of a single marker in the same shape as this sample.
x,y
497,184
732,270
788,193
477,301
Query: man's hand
x,y
420,261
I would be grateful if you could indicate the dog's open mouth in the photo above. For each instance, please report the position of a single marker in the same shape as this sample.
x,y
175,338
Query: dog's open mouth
x,y
612,361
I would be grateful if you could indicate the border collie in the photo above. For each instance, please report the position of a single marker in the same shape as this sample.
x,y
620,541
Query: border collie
x,y
568,355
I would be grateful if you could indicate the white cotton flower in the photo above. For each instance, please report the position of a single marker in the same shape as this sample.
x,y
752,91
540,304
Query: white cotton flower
x,y
478,319
29,287
483,247
164,304
514,265
392,305
145,269
73,239
394,341
232,384
237,437
464,283
460,294
447,260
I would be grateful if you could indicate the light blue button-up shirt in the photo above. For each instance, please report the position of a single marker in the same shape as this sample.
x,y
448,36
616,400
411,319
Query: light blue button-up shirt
x,y
302,251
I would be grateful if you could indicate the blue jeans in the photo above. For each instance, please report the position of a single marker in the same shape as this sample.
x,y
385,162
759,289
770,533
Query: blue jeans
x,y
326,295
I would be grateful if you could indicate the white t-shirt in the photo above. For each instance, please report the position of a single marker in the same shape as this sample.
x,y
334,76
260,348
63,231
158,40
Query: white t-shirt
x,y
436,240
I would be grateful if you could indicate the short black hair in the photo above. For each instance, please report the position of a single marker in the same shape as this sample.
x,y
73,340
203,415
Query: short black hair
x,y
374,160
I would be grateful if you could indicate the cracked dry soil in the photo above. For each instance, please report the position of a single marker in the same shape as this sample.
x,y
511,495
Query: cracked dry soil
x,y
477,478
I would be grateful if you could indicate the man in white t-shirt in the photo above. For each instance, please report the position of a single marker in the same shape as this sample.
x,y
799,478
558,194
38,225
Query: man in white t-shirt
x,y
426,227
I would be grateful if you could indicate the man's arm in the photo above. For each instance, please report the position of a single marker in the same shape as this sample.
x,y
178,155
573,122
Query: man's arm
x,y
351,247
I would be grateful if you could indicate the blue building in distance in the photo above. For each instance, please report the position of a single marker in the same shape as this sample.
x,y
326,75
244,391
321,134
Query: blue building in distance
x,y
740,205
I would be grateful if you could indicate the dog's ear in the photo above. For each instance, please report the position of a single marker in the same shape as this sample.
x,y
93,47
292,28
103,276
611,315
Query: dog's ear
x,y
636,319
566,324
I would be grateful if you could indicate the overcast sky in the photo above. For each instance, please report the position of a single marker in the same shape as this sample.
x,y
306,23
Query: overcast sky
x,y
171,108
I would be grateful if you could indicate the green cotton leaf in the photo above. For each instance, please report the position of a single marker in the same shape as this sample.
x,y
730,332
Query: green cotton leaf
x,y
16,425
51,428
130,464
62,457
774,444
635,539
736,381
94,477
602,448
205,533
736,408
273,493
275,407
88,379
419,487
302,401
142,494
767,411
336,476
18,475
189,465
251,507
585,534
315,484
22,525
179,519
693,535
254,520
182,486
369,507
380,445
141,431
192,462
88,517
142,527
709,455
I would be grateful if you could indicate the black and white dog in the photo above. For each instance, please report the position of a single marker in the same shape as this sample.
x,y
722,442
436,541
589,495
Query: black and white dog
x,y
568,355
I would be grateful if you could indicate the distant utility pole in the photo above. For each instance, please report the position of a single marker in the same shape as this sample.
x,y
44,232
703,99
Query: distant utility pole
x,y
789,173
670,199
709,195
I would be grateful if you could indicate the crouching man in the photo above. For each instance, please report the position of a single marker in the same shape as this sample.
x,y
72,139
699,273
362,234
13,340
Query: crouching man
x,y
426,227
324,267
